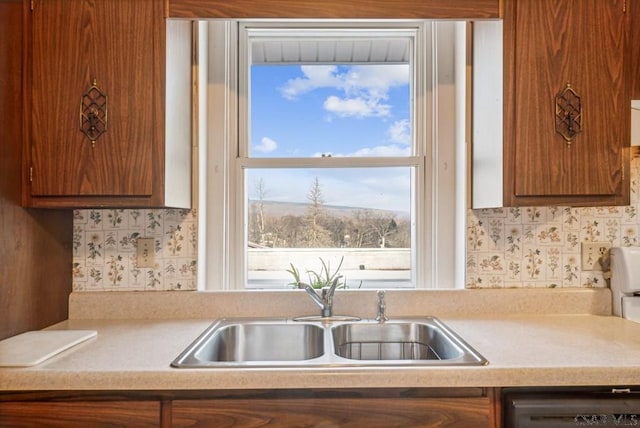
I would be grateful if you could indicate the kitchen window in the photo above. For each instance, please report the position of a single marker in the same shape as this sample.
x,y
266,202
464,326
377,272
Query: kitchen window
x,y
332,142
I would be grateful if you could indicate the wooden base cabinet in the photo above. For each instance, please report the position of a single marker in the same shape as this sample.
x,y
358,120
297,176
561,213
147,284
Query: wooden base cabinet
x,y
384,408
332,412
80,414
567,102
99,111
344,408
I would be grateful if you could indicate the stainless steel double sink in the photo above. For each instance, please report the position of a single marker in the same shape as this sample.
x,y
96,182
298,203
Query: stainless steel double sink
x,y
268,342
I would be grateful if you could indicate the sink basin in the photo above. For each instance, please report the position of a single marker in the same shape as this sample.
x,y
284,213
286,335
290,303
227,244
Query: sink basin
x,y
328,343
404,341
250,342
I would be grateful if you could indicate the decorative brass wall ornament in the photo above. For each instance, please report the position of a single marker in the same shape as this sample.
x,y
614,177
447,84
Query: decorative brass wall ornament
x,y
93,113
568,114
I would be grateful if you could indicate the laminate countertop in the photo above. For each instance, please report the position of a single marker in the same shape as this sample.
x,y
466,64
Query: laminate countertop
x,y
537,348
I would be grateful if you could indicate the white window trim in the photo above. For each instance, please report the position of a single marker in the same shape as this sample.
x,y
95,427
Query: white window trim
x,y
225,257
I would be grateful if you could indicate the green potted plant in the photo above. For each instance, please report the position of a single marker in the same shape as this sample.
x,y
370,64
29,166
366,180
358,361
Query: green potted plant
x,y
318,280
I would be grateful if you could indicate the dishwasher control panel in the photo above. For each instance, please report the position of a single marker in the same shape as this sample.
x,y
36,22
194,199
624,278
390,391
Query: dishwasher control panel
x,y
567,407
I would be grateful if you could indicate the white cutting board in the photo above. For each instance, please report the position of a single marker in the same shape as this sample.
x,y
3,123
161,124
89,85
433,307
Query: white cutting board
x,y
33,347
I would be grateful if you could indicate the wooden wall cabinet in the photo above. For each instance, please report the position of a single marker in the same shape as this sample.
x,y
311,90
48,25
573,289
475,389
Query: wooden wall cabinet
x,y
125,48
35,279
547,45
634,10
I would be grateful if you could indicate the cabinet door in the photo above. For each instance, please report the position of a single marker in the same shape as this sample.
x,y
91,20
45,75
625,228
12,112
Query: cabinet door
x,y
80,414
113,43
549,44
342,412
634,10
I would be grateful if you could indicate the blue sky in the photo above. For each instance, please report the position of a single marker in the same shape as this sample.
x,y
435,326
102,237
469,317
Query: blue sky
x,y
359,110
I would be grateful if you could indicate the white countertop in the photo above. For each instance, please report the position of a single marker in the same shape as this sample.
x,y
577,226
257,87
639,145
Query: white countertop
x,y
531,349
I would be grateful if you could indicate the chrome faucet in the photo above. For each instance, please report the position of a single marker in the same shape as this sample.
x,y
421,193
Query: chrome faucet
x,y
325,299
382,306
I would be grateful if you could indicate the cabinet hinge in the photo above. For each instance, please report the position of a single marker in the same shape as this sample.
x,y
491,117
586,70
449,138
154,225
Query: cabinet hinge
x,y
33,5
624,6
30,174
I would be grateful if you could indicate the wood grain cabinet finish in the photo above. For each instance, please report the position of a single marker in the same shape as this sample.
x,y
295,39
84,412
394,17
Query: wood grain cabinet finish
x,y
334,9
35,279
334,412
345,408
80,414
120,45
547,45
634,10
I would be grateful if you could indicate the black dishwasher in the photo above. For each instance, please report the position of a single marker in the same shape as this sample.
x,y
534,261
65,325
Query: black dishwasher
x,y
571,407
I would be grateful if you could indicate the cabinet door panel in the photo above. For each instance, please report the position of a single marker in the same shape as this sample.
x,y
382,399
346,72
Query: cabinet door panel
x,y
72,45
343,412
556,42
80,414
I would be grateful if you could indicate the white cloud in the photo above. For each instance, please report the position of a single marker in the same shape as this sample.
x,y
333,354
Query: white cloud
x,y
315,76
376,79
355,107
400,132
389,151
267,145
365,87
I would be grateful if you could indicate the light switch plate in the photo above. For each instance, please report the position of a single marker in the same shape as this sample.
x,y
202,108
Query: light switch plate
x,y
145,252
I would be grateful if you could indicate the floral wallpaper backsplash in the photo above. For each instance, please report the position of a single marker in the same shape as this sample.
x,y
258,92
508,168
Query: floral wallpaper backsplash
x,y
104,251
506,247
540,247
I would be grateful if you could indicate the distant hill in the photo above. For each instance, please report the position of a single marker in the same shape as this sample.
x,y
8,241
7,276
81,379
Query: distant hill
x,y
275,208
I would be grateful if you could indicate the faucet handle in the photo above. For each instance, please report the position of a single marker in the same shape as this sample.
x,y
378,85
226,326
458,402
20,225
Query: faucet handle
x,y
328,292
381,306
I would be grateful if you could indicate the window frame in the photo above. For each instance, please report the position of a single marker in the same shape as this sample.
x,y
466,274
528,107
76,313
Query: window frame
x,y
222,224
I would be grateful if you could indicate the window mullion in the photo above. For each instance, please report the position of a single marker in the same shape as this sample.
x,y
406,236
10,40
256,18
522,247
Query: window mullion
x,y
345,162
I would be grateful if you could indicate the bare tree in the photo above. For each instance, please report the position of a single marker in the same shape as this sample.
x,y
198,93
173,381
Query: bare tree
x,y
257,228
383,226
262,193
373,228
361,230
319,228
317,236
287,230
338,228
402,237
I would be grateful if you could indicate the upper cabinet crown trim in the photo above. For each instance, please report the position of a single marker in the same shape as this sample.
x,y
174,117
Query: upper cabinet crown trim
x,y
335,9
